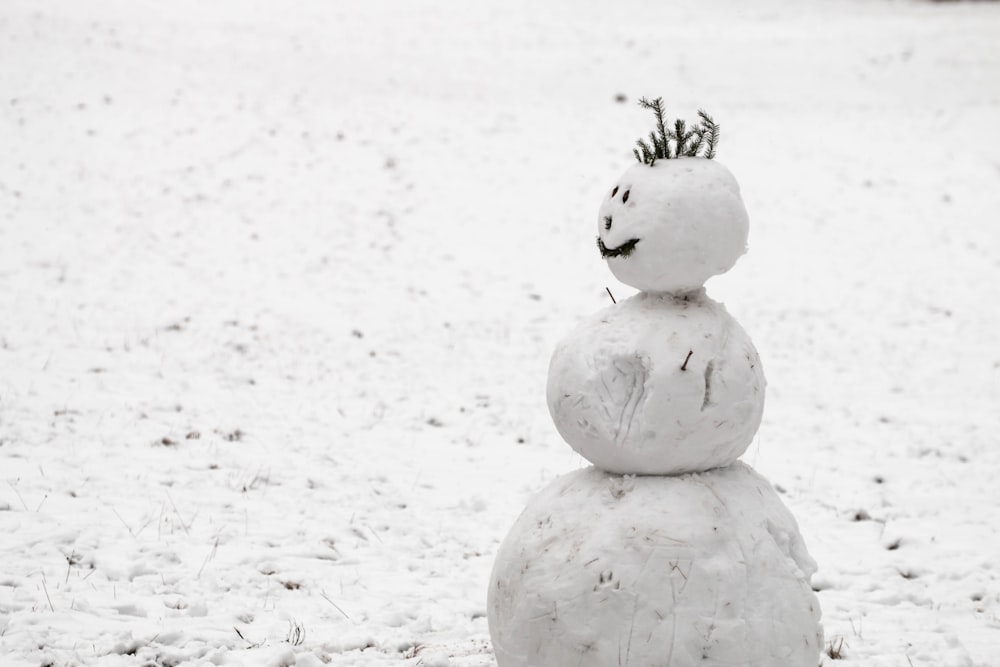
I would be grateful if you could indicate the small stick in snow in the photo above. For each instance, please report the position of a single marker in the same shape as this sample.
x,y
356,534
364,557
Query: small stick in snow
x,y
611,295
210,556
323,595
128,527
178,513
250,644
46,589
14,489
71,560
684,366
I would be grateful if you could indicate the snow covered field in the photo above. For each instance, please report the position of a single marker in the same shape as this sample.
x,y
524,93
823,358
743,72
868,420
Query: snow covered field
x,y
279,283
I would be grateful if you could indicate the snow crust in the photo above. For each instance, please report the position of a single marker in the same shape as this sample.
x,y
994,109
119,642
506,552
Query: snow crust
x,y
688,218
657,385
704,569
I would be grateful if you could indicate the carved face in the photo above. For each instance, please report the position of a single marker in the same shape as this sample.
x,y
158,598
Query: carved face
x,y
671,226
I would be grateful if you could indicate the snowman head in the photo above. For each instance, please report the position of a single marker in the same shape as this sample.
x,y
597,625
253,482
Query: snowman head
x,y
676,219
671,225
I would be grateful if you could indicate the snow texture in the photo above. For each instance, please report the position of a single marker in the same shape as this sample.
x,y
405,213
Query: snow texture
x,y
336,243
685,218
697,570
657,385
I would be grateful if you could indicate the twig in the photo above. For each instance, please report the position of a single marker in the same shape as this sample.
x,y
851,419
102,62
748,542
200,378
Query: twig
x,y
857,633
127,527
23,504
250,644
335,606
178,513
684,366
296,633
71,560
159,522
836,649
210,556
46,589
143,526
611,295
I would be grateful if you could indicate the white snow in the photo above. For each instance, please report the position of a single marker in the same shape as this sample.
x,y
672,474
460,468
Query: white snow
x,y
682,221
340,241
701,569
657,385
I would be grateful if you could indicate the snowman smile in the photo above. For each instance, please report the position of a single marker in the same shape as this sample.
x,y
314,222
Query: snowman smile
x,y
624,250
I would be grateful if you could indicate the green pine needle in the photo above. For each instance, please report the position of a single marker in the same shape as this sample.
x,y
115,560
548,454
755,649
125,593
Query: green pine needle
x,y
711,128
686,142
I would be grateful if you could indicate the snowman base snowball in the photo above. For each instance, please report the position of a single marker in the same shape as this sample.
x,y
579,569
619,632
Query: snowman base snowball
x,y
706,570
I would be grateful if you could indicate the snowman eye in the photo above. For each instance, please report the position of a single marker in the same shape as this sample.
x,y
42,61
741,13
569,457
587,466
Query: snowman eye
x,y
614,192
625,196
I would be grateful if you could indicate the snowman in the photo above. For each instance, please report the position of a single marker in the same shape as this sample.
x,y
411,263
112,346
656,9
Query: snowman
x,y
668,551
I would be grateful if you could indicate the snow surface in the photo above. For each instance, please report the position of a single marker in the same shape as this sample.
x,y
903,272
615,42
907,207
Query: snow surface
x,y
279,284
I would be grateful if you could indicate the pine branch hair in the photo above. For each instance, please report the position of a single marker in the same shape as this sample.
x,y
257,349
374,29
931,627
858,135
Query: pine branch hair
x,y
680,141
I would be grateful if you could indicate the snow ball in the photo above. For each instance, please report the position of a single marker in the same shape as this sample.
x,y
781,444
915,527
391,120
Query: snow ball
x,y
657,385
706,569
671,226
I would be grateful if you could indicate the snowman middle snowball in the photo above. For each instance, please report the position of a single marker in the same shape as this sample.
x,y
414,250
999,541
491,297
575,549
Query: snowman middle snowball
x,y
658,384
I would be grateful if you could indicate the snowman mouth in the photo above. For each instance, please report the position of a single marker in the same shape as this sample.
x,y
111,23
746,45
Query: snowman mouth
x,y
624,250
